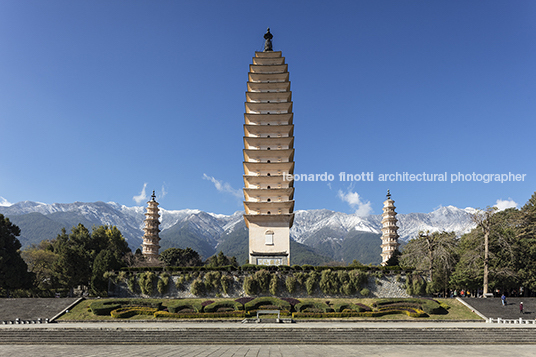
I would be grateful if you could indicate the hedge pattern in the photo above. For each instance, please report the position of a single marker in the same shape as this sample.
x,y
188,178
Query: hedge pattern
x,y
312,304
176,306
226,303
255,304
165,314
429,306
127,312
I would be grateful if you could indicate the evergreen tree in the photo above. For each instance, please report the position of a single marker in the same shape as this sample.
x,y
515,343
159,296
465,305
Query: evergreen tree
x,y
13,270
180,257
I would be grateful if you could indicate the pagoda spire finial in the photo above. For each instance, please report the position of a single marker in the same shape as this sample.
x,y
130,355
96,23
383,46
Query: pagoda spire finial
x,y
268,40
153,196
388,193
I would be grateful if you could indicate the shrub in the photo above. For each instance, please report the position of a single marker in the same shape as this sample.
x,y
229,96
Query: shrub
x,y
263,280
132,283
329,282
255,304
103,308
250,285
176,306
301,278
197,287
227,314
318,305
225,282
364,292
342,306
311,281
236,306
429,306
290,283
122,275
130,311
212,280
146,282
273,284
163,283
356,314
244,300
291,301
409,285
357,278
249,267
296,267
419,285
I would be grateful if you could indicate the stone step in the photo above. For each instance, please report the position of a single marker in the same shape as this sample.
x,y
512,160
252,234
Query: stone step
x,y
268,336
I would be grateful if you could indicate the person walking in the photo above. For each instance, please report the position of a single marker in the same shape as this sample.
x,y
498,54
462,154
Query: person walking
x,y
521,307
503,300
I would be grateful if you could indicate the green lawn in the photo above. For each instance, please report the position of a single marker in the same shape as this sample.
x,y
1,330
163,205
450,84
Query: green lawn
x,y
457,312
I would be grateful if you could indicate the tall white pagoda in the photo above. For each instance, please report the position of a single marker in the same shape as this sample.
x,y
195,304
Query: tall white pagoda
x,y
150,237
389,230
268,158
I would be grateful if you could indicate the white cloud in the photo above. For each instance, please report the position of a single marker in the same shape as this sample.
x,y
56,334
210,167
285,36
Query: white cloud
x,y
504,204
223,186
142,196
163,193
353,199
4,202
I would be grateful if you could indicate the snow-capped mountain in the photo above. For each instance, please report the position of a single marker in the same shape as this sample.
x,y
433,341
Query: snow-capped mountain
x,y
205,231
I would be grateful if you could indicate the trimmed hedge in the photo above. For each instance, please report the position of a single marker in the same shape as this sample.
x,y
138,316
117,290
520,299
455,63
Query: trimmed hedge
x,y
253,313
225,303
105,307
127,312
271,268
429,306
267,300
176,306
164,314
417,313
314,304
340,307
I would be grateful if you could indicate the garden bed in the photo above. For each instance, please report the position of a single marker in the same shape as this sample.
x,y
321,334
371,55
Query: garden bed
x,y
304,309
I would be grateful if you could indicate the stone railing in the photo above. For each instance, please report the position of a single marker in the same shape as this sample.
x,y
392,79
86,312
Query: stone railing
x,y
510,321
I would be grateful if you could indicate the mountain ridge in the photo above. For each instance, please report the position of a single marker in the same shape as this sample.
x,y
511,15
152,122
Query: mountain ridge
x,y
340,235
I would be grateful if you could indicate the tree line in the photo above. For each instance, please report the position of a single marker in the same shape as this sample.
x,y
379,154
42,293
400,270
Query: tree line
x,y
79,260
500,252
508,264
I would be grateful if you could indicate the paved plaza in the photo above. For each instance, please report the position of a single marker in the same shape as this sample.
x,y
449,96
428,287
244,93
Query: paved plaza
x,y
487,348
269,350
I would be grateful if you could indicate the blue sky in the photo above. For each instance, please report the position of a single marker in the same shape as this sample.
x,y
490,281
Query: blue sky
x,y
99,99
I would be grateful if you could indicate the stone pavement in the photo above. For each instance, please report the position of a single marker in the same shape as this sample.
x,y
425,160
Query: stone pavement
x,y
492,307
268,351
32,308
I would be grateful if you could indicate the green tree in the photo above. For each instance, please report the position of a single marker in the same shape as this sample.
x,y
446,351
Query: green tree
x,y
77,254
526,244
503,253
220,260
13,270
181,257
435,253
40,260
104,261
73,266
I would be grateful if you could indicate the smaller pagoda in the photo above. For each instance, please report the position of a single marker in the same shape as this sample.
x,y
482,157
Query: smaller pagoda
x,y
150,237
389,230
